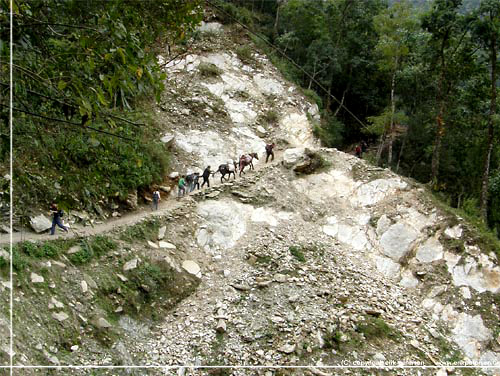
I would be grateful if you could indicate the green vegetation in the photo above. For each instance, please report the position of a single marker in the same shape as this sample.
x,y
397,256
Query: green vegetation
x,y
244,53
297,253
85,75
144,230
93,248
209,70
377,328
270,117
417,83
447,351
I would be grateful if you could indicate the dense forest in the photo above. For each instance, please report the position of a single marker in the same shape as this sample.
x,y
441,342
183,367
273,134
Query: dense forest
x,y
416,80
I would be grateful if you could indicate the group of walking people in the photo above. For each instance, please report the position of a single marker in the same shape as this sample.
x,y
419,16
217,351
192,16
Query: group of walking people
x,y
186,184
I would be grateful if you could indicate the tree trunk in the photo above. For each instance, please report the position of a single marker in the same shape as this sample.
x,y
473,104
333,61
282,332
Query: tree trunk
x,y
391,124
276,20
380,149
401,151
439,118
491,135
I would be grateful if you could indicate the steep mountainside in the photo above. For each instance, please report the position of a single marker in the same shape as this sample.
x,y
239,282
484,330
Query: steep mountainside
x,y
315,259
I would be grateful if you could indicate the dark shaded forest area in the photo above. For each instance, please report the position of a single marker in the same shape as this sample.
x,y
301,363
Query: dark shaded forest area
x,y
416,80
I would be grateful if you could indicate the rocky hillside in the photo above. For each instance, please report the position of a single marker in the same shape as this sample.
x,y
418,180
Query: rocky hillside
x,y
313,260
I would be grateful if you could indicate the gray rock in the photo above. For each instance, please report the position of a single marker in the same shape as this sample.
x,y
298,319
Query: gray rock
x,y
173,175
293,156
73,249
90,281
40,223
430,251
167,245
192,268
132,200
84,286
102,323
130,265
161,232
60,316
35,278
122,277
287,349
383,225
396,242
471,334
152,244
221,326
241,287
54,303
454,232
168,139
280,278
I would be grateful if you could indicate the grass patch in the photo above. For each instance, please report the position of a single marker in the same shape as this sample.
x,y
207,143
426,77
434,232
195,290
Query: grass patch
x,y
313,97
376,327
477,230
447,351
315,163
270,116
296,252
244,53
93,248
264,259
209,70
145,230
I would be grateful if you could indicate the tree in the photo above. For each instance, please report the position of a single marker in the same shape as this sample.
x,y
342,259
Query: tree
x,y
487,33
394,26
447,46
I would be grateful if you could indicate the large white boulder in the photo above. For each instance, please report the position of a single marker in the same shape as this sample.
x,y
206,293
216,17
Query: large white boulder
x,y
293,155
223,223
431,250
371,193
40,223
471,335
396,242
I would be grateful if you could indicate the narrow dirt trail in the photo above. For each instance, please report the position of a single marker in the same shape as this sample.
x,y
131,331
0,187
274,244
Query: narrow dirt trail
x,y
167,204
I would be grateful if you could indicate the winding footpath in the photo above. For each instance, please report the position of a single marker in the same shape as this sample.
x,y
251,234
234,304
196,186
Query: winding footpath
x,y
166,205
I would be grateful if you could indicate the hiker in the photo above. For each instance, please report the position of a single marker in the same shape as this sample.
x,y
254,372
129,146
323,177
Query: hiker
x,y
205,176
156,198
269,151
189,182
358,151
196,181
56,218
364,146
182,187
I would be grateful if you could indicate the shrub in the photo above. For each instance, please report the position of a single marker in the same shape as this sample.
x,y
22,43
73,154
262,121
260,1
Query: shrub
x,y
49,250
95,247
297,253
329,131
244,53
375,327
270,116
314,97
19,261
209,70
